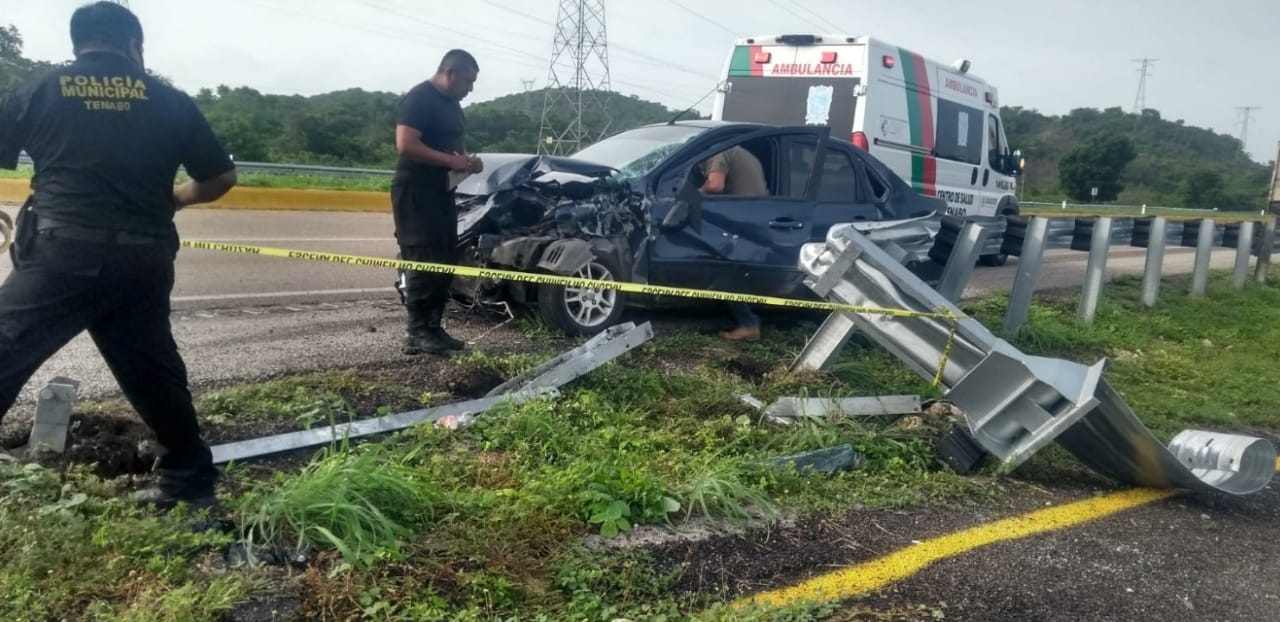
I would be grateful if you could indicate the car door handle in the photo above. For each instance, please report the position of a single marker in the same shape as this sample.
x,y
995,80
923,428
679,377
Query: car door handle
x,y
785,224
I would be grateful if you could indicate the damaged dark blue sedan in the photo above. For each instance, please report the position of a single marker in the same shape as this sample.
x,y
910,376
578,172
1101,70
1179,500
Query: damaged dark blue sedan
x,y
628,208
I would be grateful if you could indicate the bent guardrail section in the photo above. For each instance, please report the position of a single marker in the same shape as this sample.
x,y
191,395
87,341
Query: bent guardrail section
x,y
1015,404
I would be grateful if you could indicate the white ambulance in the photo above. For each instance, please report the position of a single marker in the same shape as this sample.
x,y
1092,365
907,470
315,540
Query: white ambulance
x,y
937,126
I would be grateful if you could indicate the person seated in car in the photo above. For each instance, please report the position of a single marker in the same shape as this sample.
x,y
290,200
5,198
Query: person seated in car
x,y
736,171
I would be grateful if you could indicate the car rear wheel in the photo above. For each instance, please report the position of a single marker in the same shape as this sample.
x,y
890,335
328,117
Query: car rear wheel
x,y
579,311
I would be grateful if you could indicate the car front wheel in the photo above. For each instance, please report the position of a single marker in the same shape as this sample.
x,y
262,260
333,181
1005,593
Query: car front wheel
x,y
583,312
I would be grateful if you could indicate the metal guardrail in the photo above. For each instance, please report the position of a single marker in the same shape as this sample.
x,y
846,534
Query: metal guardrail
x,y
269,168
1111,206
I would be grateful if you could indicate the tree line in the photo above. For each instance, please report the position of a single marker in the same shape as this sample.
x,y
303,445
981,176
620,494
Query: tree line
x,y
1129,158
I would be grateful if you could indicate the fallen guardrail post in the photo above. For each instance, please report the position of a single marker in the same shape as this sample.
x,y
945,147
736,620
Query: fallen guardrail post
x,y
1203,230
1013,403
1240,238
892,237
53,416
569,366
540,382
1095,271
785,410
452,416
1030,253
1264,253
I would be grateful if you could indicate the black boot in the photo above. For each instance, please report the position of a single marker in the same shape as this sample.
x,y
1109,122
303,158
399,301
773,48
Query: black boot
x,y
195,487
435,327
420,338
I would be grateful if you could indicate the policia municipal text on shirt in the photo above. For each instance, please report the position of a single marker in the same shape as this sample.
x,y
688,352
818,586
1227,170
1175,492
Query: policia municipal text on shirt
x,y
96,239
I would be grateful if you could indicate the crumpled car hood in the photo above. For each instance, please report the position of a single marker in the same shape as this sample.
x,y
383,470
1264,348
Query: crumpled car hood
x,y
506,171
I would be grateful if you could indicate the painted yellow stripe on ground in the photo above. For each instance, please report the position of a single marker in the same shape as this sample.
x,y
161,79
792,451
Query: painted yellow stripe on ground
x,y
878,573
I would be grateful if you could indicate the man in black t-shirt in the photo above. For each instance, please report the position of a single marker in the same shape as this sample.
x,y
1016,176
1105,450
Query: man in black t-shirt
x,y
430,128
96,241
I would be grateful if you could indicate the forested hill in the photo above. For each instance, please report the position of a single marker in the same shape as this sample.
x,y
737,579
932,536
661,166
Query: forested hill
x,y
1132,159
355,127
1159,162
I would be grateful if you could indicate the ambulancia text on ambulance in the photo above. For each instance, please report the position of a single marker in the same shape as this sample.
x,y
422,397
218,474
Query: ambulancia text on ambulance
x,y
936,125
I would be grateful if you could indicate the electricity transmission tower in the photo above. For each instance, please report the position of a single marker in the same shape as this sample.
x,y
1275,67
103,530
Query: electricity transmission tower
x,y
1245,113
578,80
1140,100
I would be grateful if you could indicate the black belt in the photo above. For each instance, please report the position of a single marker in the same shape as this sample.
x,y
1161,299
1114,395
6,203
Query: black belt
x,y
70,231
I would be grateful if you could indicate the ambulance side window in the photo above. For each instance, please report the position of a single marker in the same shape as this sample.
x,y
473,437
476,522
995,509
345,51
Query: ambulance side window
x,y
959,133
993,144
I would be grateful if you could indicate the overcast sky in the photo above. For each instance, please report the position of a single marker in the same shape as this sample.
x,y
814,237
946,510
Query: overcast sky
x,y
1052,55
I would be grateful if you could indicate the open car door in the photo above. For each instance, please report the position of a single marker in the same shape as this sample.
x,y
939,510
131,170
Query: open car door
x,y
747,244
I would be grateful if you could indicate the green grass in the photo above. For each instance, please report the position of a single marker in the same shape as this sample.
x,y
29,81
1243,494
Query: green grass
x,y
486,522
378,183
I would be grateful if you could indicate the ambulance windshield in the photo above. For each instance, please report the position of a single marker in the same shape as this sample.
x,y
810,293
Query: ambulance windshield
x,y
636,152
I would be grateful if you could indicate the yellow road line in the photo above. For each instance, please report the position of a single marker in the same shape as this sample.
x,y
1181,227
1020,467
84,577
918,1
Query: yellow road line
x,y
875,574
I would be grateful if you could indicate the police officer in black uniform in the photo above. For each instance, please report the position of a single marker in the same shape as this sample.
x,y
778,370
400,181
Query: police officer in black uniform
x,y
430,127
96,241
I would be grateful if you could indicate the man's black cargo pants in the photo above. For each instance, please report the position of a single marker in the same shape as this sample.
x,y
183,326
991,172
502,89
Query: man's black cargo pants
x,y
117,287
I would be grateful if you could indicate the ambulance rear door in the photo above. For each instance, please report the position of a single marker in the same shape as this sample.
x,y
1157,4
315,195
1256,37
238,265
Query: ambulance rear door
x,y
796,81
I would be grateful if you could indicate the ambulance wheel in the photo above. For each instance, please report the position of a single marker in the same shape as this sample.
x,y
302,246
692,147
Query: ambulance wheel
x,y
994,260
1007,208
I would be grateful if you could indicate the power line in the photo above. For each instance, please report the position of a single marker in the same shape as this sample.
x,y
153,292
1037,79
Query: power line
x,y
523,59
613,46
703,18
1140,100
795,14
817,15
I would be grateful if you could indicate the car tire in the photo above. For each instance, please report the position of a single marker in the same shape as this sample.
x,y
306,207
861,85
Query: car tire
x,y
584,312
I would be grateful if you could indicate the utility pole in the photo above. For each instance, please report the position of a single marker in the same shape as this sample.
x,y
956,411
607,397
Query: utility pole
x,y
1245,112
528,84
578,84
1140,100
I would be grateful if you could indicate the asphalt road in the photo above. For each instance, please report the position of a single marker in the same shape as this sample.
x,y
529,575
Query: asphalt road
x,y
244,317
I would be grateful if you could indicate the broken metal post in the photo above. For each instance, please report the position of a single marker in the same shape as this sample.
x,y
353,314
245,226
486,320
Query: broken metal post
x,y
53,415
1204,252
964,256
1244,247
1024,283
1012,403
825,343
788,408
1154,271
452,416
539,382
569,366
1099,247
1264,253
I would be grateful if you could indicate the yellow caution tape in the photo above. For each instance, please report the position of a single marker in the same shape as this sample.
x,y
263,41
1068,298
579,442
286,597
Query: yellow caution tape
x,y
578,282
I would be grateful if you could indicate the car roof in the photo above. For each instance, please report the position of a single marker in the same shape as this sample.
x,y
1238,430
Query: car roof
x,y
711,123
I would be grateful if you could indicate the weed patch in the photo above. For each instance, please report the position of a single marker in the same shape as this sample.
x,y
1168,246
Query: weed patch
x,y
489,522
